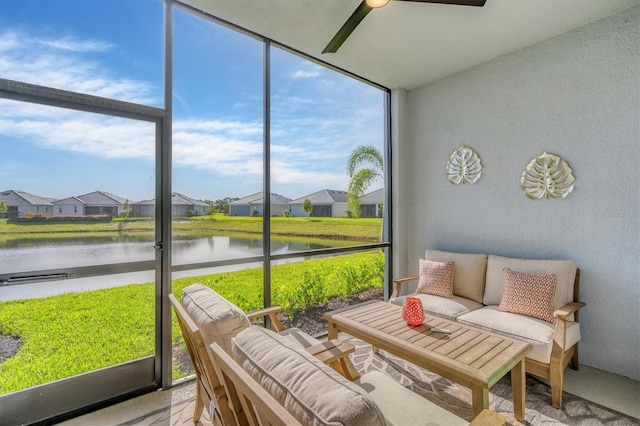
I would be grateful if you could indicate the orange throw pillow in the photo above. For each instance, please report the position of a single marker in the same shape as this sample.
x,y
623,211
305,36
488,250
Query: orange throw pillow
x,y
436,278
528,294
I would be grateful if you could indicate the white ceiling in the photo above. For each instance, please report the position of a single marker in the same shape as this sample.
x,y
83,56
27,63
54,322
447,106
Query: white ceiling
x,y
408,44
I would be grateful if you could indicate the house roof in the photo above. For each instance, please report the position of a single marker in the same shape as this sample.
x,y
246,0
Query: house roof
x,y
69,200
101,197
257,199
373,197
408,44
149,202
20,198
178,199
326,196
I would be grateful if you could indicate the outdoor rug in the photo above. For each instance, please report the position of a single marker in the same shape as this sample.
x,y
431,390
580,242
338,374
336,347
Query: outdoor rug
x,y
457,399
446,394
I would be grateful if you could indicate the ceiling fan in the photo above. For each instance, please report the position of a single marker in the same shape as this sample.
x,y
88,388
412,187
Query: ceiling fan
x,y
367,6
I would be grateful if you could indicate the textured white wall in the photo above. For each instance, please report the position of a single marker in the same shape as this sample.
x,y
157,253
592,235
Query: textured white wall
x,y
577,96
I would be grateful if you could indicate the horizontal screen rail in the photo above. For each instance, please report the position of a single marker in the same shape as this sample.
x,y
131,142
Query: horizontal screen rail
x,y
18,278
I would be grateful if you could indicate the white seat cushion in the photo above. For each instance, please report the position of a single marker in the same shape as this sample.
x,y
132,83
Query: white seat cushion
x,y
310,390
532,330
442,307
403,407
217,318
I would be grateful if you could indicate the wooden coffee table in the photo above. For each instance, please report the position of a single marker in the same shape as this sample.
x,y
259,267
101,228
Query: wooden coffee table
x,y
469,356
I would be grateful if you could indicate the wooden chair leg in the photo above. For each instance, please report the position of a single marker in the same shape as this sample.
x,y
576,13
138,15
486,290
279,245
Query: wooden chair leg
x,y
375,349
556,380
197,412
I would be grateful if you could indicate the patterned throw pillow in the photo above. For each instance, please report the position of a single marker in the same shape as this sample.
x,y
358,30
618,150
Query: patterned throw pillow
x,y
436,278
528,294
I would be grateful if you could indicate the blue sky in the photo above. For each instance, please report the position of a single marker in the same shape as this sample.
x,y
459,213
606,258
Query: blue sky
x,y
114,49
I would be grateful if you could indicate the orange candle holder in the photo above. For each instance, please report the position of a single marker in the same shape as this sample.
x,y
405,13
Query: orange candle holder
x,y
412,311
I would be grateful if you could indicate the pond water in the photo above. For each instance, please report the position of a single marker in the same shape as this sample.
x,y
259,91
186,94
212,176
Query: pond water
x,y
53,253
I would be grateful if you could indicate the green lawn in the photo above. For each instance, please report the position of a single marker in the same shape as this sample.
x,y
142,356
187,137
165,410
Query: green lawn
x,y
364,229
75,333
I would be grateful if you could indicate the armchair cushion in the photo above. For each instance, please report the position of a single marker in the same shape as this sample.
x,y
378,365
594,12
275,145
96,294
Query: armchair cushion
x,y
311,391
217,318
436,278
468,273
565,271
532,330
528,294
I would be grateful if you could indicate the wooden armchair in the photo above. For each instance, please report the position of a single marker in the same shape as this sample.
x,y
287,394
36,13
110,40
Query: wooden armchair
x,y
210,391
251,403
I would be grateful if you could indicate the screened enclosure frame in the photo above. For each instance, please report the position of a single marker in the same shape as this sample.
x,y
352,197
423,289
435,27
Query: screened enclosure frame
x,y
74,395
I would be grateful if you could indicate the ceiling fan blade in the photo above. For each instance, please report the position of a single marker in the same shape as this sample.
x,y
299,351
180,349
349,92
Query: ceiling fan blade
x,y
478,3
343,33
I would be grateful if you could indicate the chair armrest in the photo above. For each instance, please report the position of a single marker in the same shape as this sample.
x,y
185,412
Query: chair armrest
x,y
271,312
399,282
336,354
568,309
488,418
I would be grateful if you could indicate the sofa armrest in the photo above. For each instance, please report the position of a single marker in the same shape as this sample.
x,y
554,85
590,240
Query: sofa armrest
x,y
568,309
271,312
560,334
397,291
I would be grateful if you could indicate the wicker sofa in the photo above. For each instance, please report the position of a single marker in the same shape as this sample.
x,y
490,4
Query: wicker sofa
x,y
478,286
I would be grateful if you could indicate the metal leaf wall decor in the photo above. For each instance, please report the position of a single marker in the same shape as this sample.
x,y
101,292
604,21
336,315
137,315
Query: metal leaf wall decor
x,y
547,176
464,166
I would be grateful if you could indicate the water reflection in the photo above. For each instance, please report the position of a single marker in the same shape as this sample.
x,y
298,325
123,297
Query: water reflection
x,y
22,255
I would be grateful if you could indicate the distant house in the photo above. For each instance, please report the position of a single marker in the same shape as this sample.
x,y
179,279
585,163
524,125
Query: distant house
x,y
71,206
371,204
144,208
325,203
100,203
254,203
181,205
20,203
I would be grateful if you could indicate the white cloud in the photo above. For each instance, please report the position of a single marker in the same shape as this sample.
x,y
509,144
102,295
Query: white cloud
x,y
60,63
304,74
75,45
311,135
307,70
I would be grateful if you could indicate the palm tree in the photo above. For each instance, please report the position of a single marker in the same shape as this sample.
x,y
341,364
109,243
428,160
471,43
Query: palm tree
x,y
365,176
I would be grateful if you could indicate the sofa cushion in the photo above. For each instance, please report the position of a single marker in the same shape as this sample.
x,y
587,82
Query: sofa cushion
x,y
532,330
468,273
528,294
402,406
436,278
310,390
217,318
565,271
441,306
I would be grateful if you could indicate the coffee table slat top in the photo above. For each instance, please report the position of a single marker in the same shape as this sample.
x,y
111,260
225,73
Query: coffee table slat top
x,y
475,357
